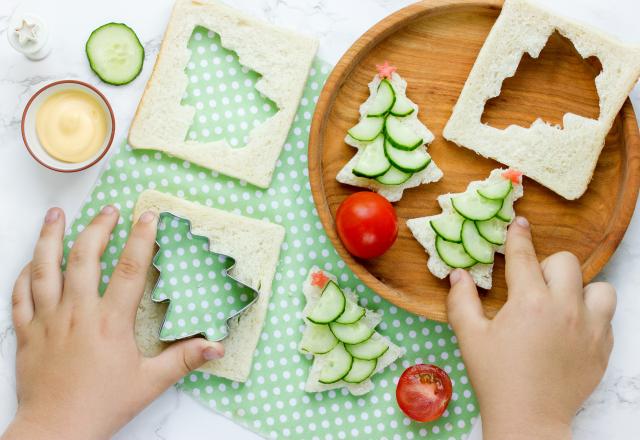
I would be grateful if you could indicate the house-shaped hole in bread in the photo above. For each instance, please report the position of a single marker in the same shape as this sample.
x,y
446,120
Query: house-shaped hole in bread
x,y
562,158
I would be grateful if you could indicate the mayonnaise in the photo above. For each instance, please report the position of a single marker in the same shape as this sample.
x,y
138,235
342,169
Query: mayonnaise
x,y
71,125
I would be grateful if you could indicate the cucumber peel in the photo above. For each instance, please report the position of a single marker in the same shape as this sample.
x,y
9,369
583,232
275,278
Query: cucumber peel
x,y
367,129
360,370
337,365
448,226
474,245
330,305
384,100
318,339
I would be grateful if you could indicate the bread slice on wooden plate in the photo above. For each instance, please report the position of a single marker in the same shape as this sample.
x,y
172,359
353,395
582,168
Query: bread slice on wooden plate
x,y
312,293
283,58
393,193
562,159
423,230
255,245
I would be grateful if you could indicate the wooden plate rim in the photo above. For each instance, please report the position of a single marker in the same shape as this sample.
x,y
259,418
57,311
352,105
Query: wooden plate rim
x,y
384,28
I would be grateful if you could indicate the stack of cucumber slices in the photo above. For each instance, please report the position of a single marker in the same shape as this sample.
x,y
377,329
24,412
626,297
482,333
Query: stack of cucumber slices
x,y
394,151
477,226
338,329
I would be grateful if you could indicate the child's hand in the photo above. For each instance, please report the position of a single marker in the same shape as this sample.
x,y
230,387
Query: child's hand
x,y
79,372
534,364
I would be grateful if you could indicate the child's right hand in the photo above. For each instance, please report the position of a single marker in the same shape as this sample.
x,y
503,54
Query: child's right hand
x,y
543,354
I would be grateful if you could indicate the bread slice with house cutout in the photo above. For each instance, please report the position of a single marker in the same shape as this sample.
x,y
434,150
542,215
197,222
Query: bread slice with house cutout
x,y
562,159
255,245
283,58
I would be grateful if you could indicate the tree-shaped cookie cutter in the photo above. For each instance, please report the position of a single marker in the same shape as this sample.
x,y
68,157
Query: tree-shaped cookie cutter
x,y
227,273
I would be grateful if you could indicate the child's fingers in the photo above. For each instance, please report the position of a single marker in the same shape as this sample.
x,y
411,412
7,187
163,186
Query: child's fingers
x,y
600,299
180,358
463,304
83,263
562,273
46,273
523,271
128,279
22,301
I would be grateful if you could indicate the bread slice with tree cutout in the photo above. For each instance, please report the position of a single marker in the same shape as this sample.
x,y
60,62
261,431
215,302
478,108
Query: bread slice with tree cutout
x,y
255,245
282,58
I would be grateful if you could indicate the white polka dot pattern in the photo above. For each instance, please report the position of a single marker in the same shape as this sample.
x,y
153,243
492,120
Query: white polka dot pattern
x,y
223,93
272,402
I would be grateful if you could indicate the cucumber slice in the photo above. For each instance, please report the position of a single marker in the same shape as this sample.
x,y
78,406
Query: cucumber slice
x,y
337,365
496,191
407,161
352,313
372,162
402,107
394,177
351,333
400,135
369,349
330,305
493,230
115,53
360,371
506,213
318,339
383,101
448,226
453,254
367,129
477,247
475,207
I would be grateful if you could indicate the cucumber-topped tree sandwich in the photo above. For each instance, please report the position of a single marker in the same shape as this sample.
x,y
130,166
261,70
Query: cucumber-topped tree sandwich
x,y
472,226
391,141
341,336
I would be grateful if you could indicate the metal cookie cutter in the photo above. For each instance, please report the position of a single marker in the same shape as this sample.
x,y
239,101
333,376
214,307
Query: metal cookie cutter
x,y
227,274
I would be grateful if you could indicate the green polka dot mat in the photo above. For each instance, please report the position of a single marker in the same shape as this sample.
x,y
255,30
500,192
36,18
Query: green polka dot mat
x,y
272,402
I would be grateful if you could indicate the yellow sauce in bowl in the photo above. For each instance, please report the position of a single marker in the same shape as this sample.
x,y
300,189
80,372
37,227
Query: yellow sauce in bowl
x,y
71,125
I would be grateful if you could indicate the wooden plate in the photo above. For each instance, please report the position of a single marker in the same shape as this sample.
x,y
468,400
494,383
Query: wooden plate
x,y
434,44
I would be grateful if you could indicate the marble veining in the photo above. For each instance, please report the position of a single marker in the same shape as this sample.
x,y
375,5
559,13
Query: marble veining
x,y
27,189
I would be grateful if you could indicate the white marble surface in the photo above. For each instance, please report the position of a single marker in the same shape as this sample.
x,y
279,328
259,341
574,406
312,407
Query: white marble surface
x,y
27,189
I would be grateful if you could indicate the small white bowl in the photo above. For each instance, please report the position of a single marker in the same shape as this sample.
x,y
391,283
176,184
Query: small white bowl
x,y
30,137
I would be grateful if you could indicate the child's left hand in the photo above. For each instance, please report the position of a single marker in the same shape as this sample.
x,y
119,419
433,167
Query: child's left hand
x,y
79,372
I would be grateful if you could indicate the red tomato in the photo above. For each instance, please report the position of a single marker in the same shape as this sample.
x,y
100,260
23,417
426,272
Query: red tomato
x,y
423,392
367,224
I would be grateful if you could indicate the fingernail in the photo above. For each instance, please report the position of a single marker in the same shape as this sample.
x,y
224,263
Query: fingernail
x,y
108,210
52,215
523,222
455,276
213,352
147,217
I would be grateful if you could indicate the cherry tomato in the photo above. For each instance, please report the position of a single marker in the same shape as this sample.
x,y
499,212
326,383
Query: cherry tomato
x,y
423,392
367,224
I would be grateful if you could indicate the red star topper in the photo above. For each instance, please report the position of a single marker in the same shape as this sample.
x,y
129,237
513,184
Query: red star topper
x,y
319,279
385,70
513,175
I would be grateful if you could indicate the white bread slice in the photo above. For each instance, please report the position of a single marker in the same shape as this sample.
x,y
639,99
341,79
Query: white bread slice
x,y
283,59
255,244
562,159
393,193
422,231
313,385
